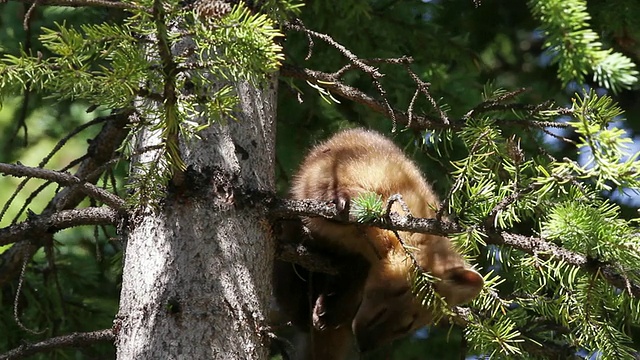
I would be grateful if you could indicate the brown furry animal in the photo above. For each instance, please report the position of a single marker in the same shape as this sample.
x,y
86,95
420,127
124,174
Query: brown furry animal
x,y
375,303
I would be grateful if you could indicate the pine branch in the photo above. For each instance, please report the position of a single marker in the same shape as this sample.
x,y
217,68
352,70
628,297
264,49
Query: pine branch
x,y
577,48
546,249
171,118
540,247
74,340
533,344
35,227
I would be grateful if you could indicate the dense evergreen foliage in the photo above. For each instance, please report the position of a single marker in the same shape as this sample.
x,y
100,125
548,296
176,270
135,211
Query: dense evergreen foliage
x,y
514,110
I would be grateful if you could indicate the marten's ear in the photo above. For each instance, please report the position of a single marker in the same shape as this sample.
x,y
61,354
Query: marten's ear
x,y
460,285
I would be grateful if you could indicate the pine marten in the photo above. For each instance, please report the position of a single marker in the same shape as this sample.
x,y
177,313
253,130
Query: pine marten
x,y
373,300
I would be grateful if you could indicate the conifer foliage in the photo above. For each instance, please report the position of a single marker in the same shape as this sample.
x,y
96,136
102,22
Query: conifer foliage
x,y
527,128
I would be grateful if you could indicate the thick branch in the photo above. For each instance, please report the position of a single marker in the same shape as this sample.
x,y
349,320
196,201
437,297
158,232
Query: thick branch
x,y
298,254
34,226
531,245
70,340
290,249
282,208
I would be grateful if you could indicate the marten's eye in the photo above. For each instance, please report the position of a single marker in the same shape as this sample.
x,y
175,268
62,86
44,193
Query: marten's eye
x,y
400,292
406,328
377,318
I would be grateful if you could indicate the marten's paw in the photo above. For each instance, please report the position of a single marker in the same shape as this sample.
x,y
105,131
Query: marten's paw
x,y
342,200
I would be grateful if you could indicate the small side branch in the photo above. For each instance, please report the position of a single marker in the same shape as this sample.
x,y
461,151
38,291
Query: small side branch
x,y
70,340
30,228
341,48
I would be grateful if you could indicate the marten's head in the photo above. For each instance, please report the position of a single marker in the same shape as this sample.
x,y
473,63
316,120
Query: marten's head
x,y
389,308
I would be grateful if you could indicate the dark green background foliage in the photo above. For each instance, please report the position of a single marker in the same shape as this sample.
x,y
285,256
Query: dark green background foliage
x,y
469,54
79,291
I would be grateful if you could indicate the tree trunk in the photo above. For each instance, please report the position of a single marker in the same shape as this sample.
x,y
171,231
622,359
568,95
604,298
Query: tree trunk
x,y
196,282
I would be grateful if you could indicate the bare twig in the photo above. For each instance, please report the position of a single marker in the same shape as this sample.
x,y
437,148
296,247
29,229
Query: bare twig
x,y
332,82
423,87
396,61
26,22
343,50
357,62
38,190
496,104
397,198
16,300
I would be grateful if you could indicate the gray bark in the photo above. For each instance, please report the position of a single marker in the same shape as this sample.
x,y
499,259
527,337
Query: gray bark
x,y
196,282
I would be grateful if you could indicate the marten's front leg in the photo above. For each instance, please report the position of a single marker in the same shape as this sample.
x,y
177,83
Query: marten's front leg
x,y
339,296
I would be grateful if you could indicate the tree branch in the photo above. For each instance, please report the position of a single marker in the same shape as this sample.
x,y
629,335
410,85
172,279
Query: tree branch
x,y
77,3
300,255
64,179
546,249
332,82
532,344
284,208
70,340
101,150
540,247
34,226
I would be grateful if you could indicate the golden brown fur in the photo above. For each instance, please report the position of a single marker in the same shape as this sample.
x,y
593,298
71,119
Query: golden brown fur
x,y
338,170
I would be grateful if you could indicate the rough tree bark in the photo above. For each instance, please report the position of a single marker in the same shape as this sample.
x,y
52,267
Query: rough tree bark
x,y
196,282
